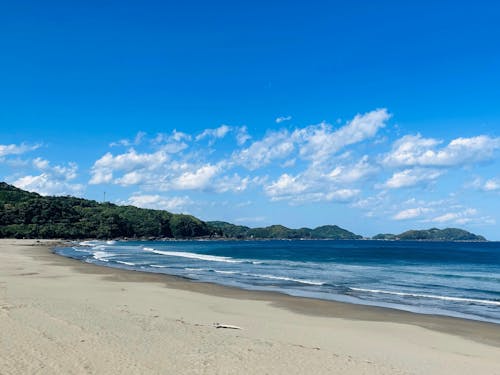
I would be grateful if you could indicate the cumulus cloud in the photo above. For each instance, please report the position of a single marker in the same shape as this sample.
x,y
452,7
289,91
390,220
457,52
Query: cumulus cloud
x,y
321,184
459,217
281,119
103,168
492,184
213,134
172,143
158,170
158,202
13,149
412,177
352,173
128,143
274,146
285,186
175,136
334,195
315,163
299,189
414,150
411,213
233,183
54,180
316,143
198,179
321,141
242,135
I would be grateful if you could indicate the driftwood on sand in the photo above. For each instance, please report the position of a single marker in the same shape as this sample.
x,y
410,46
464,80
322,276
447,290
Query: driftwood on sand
x,y
228,326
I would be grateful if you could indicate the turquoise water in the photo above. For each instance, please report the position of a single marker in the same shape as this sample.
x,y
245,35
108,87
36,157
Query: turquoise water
x,y
448,278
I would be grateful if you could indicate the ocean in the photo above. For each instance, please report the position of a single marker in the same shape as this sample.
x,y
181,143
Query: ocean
x,y
459,279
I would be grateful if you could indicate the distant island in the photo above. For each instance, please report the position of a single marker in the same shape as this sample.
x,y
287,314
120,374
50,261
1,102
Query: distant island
x,y
433,234
29,215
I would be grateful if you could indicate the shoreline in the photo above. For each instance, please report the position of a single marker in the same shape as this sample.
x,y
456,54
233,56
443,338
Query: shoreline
x,y
387,307
466,328
53,307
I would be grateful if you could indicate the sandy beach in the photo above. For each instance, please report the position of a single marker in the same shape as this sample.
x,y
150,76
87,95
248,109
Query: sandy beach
x,y
61,316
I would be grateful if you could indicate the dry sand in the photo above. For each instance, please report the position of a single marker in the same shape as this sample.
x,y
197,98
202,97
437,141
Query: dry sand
x,y
60,316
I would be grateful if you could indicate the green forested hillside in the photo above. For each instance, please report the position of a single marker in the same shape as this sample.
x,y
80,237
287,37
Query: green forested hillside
x,y
280,231
30,215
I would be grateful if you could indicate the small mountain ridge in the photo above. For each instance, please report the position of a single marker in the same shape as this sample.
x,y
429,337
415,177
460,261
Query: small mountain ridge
x,y
281,232
433,234
25,214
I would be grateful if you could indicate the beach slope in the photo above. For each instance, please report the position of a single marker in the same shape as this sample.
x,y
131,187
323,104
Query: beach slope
x,y
60,316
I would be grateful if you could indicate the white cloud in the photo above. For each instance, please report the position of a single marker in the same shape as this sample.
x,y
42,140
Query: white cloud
x,y
335,195
242,135
103,168
319,142
233,183
54,180
276,145
128,143
316,184
492,185
281,119
285,185
101,176
172,143
411,177
316,143
414,150
41,163
13,149
45,184
299,189
199,179
216,133
158,202
352,173
174,136
459,217
130,178
131,160
411,213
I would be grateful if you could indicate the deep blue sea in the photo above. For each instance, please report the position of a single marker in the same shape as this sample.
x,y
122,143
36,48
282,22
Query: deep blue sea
x,y
460,279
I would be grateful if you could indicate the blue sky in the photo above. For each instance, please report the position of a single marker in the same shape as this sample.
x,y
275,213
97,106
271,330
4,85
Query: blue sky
x,y
376,116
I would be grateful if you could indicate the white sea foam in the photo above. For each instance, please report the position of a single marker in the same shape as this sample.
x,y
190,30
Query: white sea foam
x,y
272,277
111,242
126,263
100,247
182,254
90,243
196,269
81,250
432,296
212,270
102,255
157,266
226,272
